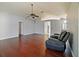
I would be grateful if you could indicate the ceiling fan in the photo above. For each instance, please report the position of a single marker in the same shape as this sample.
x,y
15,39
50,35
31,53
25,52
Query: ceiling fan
x,y
32,14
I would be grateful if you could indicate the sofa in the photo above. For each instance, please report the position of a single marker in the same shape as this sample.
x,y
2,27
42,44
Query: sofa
x,y
58,43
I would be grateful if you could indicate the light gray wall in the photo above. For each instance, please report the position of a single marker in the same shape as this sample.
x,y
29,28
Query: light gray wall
x,y
27,26
39,27
9,26
72,17
78,31
56,26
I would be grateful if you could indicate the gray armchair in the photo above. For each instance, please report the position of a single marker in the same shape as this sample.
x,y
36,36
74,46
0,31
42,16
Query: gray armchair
x,y
57,36
58,44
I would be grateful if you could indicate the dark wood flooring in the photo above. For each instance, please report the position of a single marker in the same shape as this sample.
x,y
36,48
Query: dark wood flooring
x,y
32,45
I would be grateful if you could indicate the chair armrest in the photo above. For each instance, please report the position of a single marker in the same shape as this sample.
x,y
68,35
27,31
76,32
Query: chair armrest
x,y
54,36
53,39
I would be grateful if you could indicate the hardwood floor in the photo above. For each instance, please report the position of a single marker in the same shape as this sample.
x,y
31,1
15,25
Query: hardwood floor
x,y
32,45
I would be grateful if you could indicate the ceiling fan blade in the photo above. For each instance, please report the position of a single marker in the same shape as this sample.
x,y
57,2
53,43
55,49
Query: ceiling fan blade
x,y
36,16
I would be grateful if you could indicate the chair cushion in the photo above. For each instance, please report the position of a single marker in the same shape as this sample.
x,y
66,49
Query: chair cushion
x,y
55,44
62,35
66,37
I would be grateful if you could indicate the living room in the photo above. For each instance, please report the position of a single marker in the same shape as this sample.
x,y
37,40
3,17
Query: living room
x,y
28,25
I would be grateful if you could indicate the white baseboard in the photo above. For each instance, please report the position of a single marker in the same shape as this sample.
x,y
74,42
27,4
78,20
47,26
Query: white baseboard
x,y
72,53
8,37
71,50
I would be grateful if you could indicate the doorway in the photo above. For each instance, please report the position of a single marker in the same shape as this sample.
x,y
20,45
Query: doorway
x,y
47,28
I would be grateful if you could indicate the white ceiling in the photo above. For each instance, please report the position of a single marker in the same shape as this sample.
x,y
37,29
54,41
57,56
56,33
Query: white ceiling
x,y
24,8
